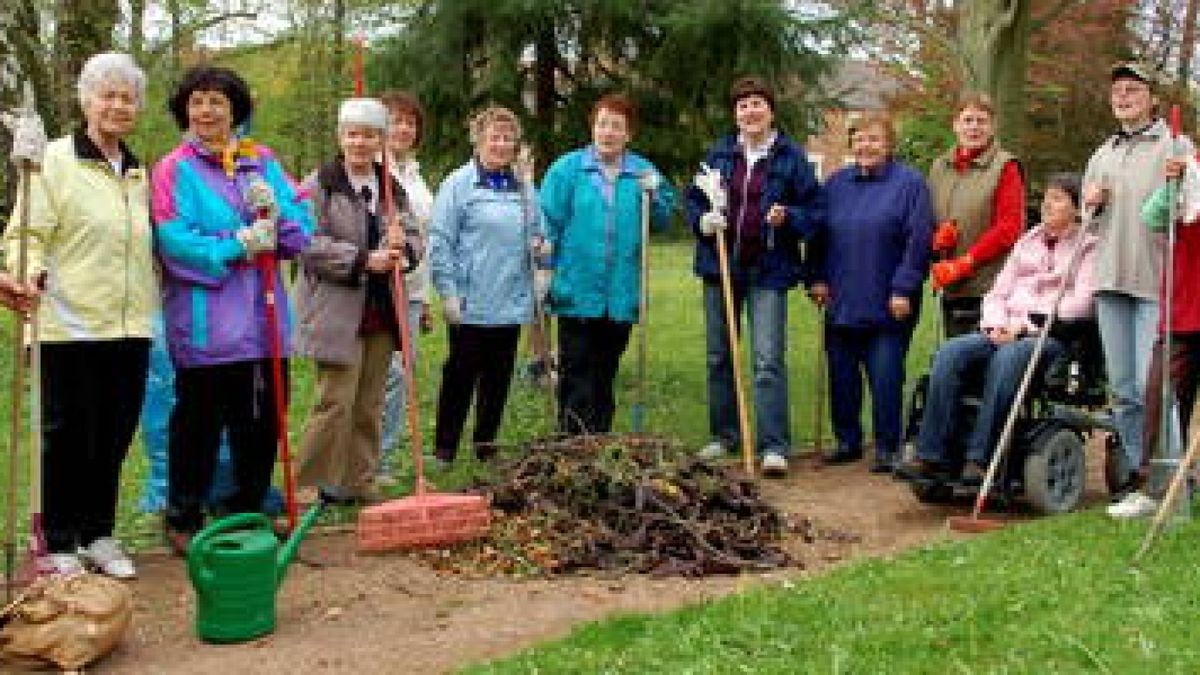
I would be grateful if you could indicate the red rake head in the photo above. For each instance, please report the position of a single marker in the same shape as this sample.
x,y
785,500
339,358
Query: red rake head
x,y
973,525
423,521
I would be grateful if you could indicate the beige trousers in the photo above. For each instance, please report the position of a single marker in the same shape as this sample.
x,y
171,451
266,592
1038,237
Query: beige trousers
x,y
340,448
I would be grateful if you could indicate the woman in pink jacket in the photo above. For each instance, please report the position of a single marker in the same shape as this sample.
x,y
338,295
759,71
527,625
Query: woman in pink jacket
x,y
1027,285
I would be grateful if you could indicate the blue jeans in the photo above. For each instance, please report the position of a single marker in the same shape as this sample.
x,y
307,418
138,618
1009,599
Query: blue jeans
x,y
958,360
1128,328
880,351
766,316
394,395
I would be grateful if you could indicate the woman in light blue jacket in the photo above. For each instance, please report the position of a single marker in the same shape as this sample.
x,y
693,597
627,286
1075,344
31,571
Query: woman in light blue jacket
x,y
484,227
591,199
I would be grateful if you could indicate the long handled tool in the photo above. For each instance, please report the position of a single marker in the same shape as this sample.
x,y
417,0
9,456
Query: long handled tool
x,y
37,533
975,523
735,351
638,411
266,268
822,384
18,389
1167,438
425,518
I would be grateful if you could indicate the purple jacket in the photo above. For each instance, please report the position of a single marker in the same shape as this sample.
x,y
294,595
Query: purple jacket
x,y
213,297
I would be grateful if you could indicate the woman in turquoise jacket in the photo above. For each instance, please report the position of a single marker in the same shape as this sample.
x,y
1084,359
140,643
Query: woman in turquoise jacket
x,y
592,200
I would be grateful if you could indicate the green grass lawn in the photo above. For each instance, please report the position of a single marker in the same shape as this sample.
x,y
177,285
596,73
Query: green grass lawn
x,y
1052,596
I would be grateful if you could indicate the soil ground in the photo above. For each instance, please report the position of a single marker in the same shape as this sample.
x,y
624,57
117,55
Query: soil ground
x,y
344,613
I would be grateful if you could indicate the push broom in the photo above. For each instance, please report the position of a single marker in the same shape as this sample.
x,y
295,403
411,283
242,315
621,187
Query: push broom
x,y
425,519
975,522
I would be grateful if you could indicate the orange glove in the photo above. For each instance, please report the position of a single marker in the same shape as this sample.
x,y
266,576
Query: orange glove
x,y
945,238
950,271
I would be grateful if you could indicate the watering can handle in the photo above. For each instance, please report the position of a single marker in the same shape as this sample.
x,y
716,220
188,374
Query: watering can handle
x,y
197,568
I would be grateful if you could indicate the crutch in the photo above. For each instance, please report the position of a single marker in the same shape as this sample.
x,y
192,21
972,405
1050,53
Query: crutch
x,y
974,523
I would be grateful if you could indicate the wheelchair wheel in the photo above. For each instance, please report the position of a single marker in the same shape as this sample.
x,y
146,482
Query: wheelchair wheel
x,y
932,493
1054,471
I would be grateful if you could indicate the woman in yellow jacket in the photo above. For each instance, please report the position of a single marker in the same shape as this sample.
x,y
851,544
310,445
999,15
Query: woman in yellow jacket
x,y
89,239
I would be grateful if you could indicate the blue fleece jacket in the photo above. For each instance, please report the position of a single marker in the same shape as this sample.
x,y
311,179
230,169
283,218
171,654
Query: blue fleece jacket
x,y
874,243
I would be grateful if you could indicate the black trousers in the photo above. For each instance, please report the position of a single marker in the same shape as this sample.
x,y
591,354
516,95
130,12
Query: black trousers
x,y
479,365
235,397
590,354
91,396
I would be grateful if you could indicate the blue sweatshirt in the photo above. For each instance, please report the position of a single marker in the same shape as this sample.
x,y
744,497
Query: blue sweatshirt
x,y
873,244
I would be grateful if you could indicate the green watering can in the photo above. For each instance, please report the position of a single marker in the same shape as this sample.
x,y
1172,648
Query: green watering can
x,y
236,565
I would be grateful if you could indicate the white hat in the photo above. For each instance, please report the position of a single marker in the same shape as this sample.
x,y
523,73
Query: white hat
x,y
367,112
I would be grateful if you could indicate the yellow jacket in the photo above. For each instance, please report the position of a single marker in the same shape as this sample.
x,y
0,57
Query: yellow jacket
x,y
89,230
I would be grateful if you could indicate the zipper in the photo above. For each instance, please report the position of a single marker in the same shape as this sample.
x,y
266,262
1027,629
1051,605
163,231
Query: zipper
x,y
737,234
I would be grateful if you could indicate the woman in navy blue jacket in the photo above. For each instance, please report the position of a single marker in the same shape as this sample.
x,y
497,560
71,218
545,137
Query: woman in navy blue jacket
x,y
868,266
774,202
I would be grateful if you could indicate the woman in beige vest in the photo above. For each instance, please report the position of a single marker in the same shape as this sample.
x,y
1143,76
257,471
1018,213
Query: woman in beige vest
x,y
979,197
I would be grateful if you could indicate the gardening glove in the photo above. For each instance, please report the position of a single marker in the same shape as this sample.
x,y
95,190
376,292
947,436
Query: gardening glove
x,y
951,271
649,181
452,310
541,284
29,137
1157,209
711,223
258,237
945,238
260,197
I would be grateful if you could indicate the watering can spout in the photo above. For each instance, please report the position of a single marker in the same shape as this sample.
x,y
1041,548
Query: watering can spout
x,y
288,551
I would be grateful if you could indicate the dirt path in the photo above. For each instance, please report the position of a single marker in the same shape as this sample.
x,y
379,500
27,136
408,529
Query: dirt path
x,y
391,614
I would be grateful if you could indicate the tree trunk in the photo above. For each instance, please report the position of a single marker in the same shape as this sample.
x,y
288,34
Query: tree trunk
x,y
137,29
994,36
1187,45
546,55
85,27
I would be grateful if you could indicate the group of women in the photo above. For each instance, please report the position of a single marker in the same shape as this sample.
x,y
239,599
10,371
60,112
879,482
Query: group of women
x,y
370,239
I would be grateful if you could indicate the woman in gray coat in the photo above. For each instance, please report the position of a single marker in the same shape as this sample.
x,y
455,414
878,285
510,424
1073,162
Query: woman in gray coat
x,y
345,297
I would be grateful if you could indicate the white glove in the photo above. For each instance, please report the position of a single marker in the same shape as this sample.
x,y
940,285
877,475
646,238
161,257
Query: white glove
x,y
711,223
649,181
257,237
452,310
29,137
260,197
541,284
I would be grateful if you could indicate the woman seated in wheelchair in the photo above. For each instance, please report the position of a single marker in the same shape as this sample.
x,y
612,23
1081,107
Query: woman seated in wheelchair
x,y
1000,350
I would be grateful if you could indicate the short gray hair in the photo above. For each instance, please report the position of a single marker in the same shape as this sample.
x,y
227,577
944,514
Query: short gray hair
x,y
107,67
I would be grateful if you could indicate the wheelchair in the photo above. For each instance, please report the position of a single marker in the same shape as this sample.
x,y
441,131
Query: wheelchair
x,y
1045,463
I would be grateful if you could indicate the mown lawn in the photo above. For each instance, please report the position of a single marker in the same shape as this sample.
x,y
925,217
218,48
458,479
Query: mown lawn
x,y
1053,596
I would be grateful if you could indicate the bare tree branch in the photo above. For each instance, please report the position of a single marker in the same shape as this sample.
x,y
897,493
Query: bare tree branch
x,y
1053,13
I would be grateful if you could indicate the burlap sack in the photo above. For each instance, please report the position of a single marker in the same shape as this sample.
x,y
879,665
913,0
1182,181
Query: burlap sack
x,y
65,622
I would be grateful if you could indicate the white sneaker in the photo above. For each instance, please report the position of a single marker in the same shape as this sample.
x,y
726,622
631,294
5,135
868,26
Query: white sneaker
x,y
59,564
774,465
1134,505
714,450
106,555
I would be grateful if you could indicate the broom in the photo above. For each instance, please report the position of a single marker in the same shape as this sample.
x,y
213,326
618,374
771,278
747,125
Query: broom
x,y
425,518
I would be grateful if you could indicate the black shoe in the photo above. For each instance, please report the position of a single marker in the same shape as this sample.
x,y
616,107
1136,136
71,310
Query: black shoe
x,y
884,463
972,474
843,456
919,469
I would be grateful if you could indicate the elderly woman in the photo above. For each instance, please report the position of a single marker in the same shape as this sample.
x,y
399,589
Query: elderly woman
x,y
90,240
868,269
1125,170
485,223
220,202
405,128
774,202
979,198
592,201
1001,347
346,303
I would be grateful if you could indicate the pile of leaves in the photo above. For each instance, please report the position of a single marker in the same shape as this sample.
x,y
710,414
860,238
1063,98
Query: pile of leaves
x,y
627,503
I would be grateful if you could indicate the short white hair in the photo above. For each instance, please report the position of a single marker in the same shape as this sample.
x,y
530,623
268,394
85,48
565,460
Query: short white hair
x,y
108,67
363,112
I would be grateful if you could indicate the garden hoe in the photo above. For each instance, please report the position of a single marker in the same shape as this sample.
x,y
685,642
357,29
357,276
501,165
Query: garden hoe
x,y
974,522
709,182
638,410
424,519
